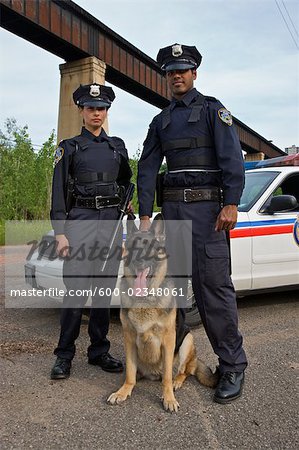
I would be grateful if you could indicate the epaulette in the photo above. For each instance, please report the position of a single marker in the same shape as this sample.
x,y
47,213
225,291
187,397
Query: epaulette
x,y
71,142
120,145
117,140
212,99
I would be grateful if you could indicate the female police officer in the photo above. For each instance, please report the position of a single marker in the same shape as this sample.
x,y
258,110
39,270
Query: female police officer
x,y
91,173
196,135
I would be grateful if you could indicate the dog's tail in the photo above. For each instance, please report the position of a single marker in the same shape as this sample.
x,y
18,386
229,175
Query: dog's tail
x,y
205,376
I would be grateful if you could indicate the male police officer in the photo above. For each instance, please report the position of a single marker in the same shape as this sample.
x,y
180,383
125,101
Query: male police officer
x,y
203,184
91,173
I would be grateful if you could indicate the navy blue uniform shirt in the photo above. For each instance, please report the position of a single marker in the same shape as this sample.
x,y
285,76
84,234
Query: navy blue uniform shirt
x,y
226,150
70,160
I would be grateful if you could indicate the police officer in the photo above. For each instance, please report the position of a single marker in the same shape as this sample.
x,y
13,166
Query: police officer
x,y
203,184
90,176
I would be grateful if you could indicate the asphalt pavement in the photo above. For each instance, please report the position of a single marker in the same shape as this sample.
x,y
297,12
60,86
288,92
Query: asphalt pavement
x,y
38,413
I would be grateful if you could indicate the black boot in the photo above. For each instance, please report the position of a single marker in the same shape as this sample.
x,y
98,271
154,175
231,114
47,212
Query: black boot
x,y
107,363
61,369
229,387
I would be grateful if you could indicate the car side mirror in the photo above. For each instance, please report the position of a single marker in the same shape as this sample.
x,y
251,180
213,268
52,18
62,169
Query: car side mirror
x,y
280,203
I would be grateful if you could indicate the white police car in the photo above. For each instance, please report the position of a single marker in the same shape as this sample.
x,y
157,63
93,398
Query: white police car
x,y
264,244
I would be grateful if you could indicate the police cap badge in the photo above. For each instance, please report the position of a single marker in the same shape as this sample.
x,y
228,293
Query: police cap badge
x,y
225,116
95,95
176,50
94,90
179,57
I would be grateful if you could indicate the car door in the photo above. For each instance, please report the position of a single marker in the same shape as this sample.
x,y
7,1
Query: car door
x,y
241,253
257,183
275,252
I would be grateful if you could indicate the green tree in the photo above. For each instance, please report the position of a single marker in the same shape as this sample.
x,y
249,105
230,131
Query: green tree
x,y
134,167
43,177
25,174
16,172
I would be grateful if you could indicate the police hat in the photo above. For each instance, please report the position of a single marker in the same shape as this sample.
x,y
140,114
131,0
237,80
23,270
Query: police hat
x,y
178,56
94,94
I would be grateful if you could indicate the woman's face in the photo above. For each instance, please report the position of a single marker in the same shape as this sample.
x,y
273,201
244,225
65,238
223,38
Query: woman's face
x,y
93,118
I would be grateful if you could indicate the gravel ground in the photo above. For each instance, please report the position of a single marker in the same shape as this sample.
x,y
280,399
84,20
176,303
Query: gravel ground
x,y
38,413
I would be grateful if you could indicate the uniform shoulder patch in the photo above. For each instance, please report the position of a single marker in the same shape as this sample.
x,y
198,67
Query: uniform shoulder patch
x,y
225,116
59,152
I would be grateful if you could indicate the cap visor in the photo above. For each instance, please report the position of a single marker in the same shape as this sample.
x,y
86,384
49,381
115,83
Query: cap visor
x,y
178,66
97,104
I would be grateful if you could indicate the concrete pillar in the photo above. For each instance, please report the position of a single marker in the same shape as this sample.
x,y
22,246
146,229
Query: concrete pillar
x,y
83,71
259,156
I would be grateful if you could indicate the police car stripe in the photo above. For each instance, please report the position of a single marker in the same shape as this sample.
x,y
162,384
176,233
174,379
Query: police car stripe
x,y
260,228
261,231
262,223
263,228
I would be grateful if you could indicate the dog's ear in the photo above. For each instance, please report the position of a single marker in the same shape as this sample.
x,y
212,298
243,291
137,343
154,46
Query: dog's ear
x,y
131,227
158,227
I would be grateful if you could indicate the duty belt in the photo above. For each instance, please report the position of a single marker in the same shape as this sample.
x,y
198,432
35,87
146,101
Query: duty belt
x,y
97,202
191,194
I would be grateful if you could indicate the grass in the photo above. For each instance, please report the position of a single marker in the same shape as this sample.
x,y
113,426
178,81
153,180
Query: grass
x,y
20,232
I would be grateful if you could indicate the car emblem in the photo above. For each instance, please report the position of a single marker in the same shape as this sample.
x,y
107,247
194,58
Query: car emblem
x,y
296,230
225,116
177,50
94,90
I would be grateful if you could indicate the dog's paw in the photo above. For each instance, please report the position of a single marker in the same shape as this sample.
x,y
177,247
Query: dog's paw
x,y
178,382
116,398
170,404
177,385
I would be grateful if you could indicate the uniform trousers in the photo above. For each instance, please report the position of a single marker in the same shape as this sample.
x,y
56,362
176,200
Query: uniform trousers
x,y
212,286
88,232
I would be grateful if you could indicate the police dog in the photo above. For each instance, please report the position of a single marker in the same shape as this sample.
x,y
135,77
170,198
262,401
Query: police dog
x,y
149,320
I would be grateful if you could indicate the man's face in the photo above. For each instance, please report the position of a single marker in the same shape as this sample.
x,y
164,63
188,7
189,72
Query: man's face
x,y
93,117
180,81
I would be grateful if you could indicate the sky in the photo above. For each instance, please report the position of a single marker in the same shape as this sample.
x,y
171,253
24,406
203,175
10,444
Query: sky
x,y
250,63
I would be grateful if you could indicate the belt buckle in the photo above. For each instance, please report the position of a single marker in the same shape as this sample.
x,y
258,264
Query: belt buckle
x,y
106,201
98,199
185,192
114,201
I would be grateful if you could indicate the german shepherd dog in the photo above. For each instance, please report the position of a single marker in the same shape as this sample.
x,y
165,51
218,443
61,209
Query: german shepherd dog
x,y
149,321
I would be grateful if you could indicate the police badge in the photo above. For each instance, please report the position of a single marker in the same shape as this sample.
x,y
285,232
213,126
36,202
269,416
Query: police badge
x,y
225,116
94,90
177,50
58,155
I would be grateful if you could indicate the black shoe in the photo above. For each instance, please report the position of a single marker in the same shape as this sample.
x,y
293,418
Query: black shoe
x,y
107,362
61,369
229,387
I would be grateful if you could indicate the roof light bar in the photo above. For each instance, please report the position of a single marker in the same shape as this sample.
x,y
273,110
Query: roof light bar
x,y
290,160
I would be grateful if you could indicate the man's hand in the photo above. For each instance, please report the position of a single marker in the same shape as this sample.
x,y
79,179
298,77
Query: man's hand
x,y
145,223
227,218
62,245
130,209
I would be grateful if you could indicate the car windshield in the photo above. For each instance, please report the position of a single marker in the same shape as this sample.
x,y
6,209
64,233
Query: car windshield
x,y
255,185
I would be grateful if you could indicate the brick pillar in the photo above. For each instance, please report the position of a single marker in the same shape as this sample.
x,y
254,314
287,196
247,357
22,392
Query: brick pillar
x,y
83,71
